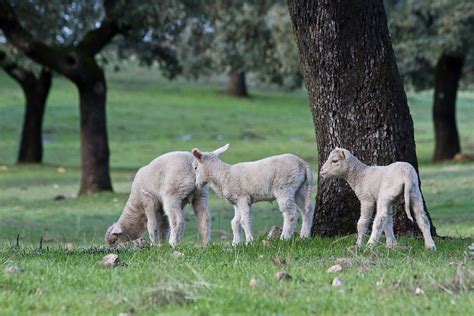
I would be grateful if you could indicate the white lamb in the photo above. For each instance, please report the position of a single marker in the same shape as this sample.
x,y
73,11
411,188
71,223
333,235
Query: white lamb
x,y
286,178
379,187
159,192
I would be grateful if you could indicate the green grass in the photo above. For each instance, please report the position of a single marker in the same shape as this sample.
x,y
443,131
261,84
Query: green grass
x,y
148,116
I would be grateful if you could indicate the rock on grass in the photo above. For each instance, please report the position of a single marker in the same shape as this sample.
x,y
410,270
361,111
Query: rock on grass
x,y
282,276
111,261
338,282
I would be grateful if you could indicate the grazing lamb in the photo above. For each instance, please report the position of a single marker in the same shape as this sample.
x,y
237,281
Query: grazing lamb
x,y
159,192
380,187
286,178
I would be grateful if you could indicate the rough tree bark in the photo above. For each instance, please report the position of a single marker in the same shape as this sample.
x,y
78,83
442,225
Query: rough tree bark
x,y
78,64
447,74
237,86
36,90
356,98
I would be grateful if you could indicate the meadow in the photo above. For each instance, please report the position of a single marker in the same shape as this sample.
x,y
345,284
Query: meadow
x,y
148,116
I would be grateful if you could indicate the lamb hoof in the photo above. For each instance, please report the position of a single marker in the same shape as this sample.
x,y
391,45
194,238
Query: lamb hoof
x,y
391,245
431,247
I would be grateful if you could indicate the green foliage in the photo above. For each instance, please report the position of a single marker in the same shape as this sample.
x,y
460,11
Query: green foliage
x,y
241,36
422,31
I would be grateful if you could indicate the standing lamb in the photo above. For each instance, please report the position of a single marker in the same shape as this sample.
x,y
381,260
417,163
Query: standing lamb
x,y
286,178
380,187
159,192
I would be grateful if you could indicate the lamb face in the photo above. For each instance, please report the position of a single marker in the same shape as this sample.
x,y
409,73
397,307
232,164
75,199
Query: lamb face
x,y
115,235
204,164
337,164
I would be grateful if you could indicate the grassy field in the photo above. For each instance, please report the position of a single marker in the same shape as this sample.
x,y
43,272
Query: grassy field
x,y
148,116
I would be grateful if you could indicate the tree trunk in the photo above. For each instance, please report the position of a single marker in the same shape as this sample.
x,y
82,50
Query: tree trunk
x,y
237,87
447,74
36,92
356,98
94,141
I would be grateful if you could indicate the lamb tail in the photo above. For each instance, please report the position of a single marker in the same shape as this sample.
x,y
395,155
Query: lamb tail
x,y
408,186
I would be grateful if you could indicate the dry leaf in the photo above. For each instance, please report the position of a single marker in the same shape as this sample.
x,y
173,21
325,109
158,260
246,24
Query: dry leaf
x,y
253,282
274,233
177,254
335,268
279,261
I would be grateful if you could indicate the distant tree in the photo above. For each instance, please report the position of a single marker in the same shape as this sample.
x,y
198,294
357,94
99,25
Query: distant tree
x,y
356,97
35,84
434,42
239,37
75,57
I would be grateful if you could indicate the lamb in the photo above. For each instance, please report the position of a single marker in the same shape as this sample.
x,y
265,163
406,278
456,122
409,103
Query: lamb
x,y
286,178
380,187
159,192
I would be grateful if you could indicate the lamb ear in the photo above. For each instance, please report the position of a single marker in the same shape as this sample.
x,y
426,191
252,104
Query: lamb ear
x,y
197,154
345,153
219,151
116,230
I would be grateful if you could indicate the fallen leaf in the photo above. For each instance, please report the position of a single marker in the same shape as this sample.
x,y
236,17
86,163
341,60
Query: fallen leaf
x,y
177,254
282,276
279,261
274,233
335,268
253,282
344,262
12,270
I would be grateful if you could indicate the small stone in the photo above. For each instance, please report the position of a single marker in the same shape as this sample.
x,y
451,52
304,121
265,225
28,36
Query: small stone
x,y
12,270
253,282
344,262
279,261
338,282
177,254
59,197
335,268
68,246
265,243
61,170
282,276
274,233
419,291
111,261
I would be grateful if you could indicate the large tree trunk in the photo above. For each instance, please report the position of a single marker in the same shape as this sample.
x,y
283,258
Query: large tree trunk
x,y
36,91
447,74
356,97
94,141
237,87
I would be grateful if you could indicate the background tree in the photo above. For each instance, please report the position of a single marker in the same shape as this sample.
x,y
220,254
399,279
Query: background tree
x,y
238,38
434,42
356,97
75,57
35,84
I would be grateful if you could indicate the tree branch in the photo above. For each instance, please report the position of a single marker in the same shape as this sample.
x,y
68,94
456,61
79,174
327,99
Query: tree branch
x,y
19,37
95,40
